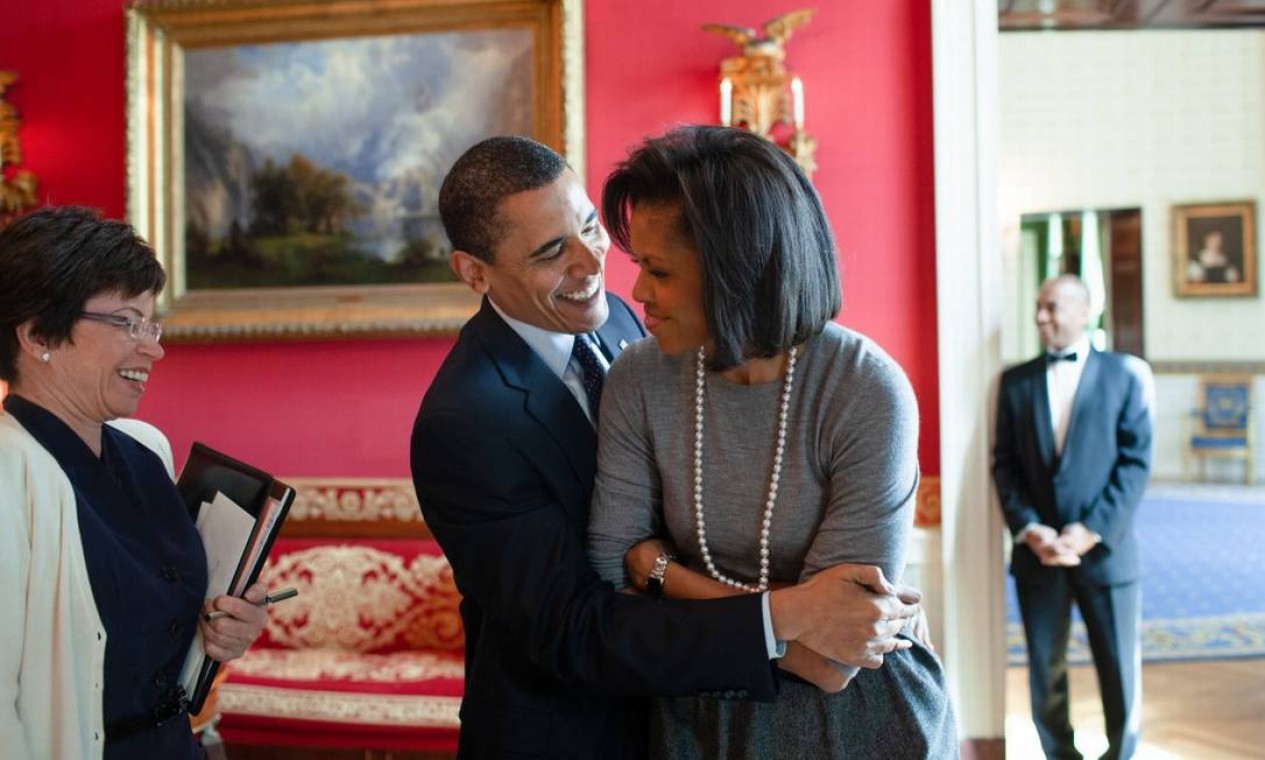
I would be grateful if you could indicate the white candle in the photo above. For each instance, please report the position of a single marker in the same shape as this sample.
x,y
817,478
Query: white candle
x,y
797,103
726,101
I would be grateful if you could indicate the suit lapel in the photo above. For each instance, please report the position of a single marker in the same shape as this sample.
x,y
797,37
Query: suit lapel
x,y
620,331
547,401
553,411
1040,391
611,341
1080,401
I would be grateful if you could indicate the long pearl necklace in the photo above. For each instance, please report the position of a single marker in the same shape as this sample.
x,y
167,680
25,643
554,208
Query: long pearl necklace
x,y
700,376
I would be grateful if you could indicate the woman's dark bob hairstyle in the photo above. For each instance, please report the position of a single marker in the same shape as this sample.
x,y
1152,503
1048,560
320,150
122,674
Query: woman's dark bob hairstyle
x,y
766,252
53,260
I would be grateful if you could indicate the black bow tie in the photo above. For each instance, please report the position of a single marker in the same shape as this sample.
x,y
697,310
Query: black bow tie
x,y
1053,357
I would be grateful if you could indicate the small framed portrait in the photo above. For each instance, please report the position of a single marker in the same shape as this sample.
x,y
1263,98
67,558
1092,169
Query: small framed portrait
x,y
1214,249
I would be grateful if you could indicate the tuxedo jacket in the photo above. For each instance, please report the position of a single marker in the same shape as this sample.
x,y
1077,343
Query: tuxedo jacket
x,y
503,459
1098,479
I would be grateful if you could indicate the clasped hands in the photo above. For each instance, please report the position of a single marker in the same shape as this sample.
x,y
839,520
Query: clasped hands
x,y
1060,549
844,618
228,637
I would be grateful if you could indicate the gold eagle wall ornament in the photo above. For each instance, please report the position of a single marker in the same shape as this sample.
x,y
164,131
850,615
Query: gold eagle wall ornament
x,y
756,91
17,189
777,31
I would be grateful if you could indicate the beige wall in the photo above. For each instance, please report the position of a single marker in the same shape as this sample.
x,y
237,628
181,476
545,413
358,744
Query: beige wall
x,y
1147,120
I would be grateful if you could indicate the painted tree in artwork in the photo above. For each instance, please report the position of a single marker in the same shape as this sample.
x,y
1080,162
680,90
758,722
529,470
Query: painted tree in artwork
x,y
301,197
324,199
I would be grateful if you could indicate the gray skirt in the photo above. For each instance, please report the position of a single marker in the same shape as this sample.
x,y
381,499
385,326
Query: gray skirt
x,y
898,712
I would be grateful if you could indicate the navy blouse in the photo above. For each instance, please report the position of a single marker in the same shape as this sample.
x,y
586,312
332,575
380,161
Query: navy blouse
x,y
148,573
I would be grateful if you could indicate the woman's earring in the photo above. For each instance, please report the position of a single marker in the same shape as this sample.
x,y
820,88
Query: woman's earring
x,y
44,357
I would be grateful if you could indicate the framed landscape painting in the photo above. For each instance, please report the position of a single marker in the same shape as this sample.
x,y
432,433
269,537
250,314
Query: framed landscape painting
x,y
285,157
1214,249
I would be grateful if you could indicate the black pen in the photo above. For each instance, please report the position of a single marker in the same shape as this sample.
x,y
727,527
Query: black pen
x,y
267,600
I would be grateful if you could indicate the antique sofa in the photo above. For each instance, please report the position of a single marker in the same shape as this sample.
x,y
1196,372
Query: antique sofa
x,y
368,658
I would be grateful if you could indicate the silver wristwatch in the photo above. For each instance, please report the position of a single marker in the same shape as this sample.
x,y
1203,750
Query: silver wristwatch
x,y
654,582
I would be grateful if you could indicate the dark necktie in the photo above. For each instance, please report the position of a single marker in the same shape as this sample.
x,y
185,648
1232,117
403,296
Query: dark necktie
x,y
1053,357
592,375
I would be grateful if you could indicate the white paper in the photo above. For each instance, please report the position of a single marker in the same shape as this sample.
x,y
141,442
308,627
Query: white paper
x,y
225,528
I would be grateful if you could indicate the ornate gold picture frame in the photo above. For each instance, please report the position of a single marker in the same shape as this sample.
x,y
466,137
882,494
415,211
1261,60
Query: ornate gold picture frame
x,y
1214,249
284,156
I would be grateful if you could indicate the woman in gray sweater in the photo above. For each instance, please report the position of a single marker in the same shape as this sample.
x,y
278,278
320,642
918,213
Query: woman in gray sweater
x,y
754,443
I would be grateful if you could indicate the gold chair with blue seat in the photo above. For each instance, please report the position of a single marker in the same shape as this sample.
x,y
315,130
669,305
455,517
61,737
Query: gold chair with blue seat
x,y
1222,427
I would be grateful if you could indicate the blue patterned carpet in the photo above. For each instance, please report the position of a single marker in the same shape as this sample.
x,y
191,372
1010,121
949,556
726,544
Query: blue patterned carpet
x,y
1203,585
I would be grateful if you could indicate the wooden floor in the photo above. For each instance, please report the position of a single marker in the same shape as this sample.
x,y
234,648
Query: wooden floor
x,y
1213,710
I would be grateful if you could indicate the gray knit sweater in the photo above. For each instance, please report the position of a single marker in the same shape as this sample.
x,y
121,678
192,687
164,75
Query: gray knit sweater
x,y
849,474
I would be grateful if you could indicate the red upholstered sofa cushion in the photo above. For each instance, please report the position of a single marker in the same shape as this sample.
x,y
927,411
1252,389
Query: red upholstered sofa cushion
x,y
369,654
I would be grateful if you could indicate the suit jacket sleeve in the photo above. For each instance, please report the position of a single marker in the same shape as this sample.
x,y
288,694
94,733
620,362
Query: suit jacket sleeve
x,y
517,554
1111,514
1016,502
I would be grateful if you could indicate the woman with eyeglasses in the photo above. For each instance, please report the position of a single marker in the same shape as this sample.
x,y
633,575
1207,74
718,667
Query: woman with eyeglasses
x,y
102,571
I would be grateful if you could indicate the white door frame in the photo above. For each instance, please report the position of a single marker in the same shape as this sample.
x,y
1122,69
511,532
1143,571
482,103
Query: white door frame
x,y
969,312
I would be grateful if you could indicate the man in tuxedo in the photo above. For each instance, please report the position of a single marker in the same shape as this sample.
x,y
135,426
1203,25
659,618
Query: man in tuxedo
x,y
503,459
1070,462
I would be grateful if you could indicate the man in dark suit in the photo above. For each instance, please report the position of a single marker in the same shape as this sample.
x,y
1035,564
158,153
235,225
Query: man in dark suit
x,y
1070,462
504,457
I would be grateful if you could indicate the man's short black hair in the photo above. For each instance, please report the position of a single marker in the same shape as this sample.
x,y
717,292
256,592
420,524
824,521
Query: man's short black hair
x,y
766,252
485,175
53,260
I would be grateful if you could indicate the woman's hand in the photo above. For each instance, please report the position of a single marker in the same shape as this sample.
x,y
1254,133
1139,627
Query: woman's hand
x,y
920,629
228,637
815,669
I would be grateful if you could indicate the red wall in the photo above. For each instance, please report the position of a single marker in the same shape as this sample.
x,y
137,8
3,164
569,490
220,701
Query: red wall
x,y
346,408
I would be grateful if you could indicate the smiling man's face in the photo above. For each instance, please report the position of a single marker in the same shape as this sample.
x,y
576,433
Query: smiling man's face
x,y
547,268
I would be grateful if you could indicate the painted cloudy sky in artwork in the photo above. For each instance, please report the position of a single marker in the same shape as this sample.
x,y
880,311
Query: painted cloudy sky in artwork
x,y
375,108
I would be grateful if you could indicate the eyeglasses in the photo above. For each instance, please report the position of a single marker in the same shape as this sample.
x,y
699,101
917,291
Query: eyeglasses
x,y
138,328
